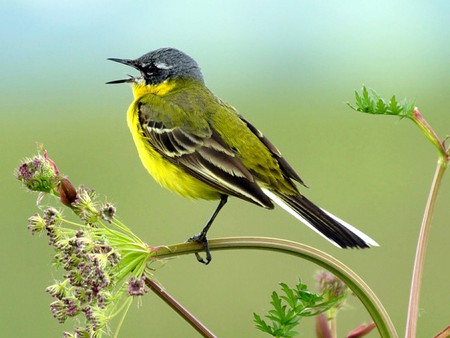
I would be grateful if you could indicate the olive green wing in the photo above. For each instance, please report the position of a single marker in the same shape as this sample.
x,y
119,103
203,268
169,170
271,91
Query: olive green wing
x,y
185,138
283,164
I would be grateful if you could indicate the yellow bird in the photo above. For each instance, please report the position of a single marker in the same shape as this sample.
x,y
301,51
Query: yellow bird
x,y
197,145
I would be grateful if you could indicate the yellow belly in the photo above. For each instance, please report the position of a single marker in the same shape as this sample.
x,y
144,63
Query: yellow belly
x,y
164,172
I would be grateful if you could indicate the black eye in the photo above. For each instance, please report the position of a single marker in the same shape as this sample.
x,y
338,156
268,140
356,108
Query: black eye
x,y
149,69
156,71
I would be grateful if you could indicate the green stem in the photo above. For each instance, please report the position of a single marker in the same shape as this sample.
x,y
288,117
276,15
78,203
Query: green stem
x,y
413,308
429,133
352,280
333,322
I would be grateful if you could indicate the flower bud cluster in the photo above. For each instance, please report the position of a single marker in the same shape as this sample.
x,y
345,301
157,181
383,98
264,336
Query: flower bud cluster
x,y
98,256
38,174
90,266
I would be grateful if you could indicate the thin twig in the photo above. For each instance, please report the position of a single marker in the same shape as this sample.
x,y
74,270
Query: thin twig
x,y
180,309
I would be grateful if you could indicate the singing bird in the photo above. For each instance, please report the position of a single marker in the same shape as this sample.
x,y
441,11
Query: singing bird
x,y
199,146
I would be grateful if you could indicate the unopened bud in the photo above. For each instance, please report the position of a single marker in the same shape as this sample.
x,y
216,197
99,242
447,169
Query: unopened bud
x,y
67,192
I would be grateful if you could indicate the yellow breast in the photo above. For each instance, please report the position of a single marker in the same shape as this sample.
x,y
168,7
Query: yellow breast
x,y
163,171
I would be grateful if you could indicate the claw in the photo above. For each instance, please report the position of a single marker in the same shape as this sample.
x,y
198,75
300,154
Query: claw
x,y
201,238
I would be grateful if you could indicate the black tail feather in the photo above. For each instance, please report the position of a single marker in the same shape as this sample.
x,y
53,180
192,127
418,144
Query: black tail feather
x,y
323,223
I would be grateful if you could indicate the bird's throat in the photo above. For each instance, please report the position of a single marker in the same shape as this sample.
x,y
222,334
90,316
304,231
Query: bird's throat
x,y
140,88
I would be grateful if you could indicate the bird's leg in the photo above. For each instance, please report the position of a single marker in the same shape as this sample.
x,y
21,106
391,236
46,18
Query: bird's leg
x,y
201,237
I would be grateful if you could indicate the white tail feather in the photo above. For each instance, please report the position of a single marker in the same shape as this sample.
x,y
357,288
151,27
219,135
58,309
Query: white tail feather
x,y
286,207
350,227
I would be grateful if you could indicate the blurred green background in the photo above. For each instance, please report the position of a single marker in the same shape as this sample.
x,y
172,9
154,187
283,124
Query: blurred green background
x,y
288,67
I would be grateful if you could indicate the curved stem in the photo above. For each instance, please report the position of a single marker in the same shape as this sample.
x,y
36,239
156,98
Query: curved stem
x,y
419,261
352,280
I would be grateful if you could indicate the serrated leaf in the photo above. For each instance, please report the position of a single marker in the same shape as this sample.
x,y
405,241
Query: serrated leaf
x,y
358,98
366,94
262,325
370,102
289,308
290,298
381,107
393,106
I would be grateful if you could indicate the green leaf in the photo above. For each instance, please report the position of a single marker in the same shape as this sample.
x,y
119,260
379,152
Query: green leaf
x,y
370,102
381,107
393,106
289,309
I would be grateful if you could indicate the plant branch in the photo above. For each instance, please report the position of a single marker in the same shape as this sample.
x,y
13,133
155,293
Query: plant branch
x,y
429,133
371,103
352,280
413,308
180,309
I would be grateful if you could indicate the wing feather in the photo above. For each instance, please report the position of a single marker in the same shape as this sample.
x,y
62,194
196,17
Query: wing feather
x,y
284,165
202,154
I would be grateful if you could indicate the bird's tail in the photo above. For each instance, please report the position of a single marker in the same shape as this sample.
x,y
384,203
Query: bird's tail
x,y
337,231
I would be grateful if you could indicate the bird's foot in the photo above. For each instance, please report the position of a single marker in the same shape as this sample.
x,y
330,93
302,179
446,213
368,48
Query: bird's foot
x,y
201,238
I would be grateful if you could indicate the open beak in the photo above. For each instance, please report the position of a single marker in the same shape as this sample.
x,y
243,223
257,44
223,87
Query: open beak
x,y
127,62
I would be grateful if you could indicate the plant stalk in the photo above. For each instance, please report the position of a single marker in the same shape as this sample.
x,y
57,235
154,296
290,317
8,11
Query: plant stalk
x,y
333,323
376,310
416,281
180,309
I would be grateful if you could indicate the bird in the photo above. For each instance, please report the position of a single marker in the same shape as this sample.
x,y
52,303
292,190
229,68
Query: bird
x,y
201,147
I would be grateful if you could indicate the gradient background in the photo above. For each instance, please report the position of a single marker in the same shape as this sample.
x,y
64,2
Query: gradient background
x,y
288,67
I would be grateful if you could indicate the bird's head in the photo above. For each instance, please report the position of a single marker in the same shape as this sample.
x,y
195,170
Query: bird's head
x,y
161,65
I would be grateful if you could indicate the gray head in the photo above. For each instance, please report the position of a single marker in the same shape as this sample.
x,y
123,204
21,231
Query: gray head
x,y
161,65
